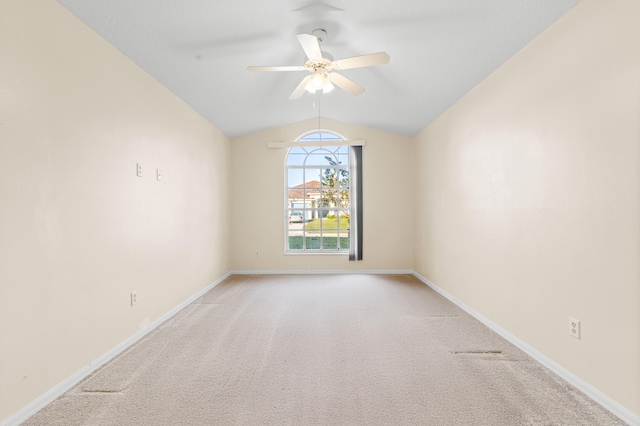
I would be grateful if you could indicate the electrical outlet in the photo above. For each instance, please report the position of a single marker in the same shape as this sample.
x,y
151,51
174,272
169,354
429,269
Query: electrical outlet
x,y
138,169
134,298
158,175
257,252
574,328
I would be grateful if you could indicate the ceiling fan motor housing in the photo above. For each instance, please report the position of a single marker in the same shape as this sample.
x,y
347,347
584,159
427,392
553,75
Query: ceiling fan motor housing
x,y
316,66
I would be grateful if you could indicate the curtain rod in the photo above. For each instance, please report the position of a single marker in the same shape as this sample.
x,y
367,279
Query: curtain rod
x,y
315,143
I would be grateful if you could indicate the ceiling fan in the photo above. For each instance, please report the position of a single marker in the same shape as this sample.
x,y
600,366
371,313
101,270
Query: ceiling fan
x,y
321,65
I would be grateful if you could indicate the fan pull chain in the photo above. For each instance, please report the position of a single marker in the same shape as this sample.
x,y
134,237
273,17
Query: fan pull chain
x,y
319,132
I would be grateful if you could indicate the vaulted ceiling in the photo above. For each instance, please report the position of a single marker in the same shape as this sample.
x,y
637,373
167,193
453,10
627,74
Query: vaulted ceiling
x,y
200,49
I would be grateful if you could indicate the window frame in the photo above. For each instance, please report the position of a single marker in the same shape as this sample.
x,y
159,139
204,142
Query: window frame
x,y
310,144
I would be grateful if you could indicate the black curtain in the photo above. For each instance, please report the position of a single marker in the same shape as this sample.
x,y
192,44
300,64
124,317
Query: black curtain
x,y
355,180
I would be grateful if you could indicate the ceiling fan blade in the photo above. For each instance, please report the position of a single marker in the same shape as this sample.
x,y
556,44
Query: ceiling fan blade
x,y
299,91
327,87
283,68
318,7
362,61
311,46
345,84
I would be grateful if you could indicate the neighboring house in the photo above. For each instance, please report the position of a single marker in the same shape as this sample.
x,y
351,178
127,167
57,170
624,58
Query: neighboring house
x,y
298,200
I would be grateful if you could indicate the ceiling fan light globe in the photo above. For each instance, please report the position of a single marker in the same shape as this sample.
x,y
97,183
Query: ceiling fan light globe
x,y
318,81
327,87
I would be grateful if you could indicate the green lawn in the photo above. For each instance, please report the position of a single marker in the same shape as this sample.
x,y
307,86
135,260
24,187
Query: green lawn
x,y
314,224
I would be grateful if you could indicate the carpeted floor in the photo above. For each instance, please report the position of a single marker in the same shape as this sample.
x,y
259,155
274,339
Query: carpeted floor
x,y
323,350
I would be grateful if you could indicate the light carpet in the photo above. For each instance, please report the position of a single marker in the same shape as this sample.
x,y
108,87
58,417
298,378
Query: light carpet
x,y
323,350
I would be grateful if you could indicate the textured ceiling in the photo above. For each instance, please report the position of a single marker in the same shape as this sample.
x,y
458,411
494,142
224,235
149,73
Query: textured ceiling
x,y
199,49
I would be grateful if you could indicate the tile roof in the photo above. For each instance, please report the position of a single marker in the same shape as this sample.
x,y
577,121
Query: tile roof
x,y
298,194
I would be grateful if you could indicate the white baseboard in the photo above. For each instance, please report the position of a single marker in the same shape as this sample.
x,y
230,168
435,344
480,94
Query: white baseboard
x,y
606,402
85,371
45,399
321,271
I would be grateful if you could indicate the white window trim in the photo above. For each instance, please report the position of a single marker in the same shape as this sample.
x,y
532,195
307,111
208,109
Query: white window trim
x,y
279,145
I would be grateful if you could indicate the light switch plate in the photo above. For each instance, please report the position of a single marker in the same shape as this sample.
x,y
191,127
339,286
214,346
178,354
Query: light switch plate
x,y
574,328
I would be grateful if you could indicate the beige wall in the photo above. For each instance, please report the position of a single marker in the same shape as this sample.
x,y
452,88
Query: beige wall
x,y
528,196
258,201
522,200
78,230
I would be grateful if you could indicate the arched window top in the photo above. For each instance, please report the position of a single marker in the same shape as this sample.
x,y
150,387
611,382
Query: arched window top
x,y
322,156
320,136
319,156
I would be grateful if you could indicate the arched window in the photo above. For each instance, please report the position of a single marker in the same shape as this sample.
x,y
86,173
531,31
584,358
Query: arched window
x,y
318,195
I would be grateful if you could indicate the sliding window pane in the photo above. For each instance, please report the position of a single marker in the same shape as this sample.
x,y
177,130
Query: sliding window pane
x,y
329,242
344,240
329,198
313,241
295,242
295,178
312,177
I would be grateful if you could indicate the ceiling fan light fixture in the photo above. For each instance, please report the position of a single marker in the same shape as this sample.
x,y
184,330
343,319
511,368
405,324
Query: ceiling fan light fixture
x,y
319,81
310,88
